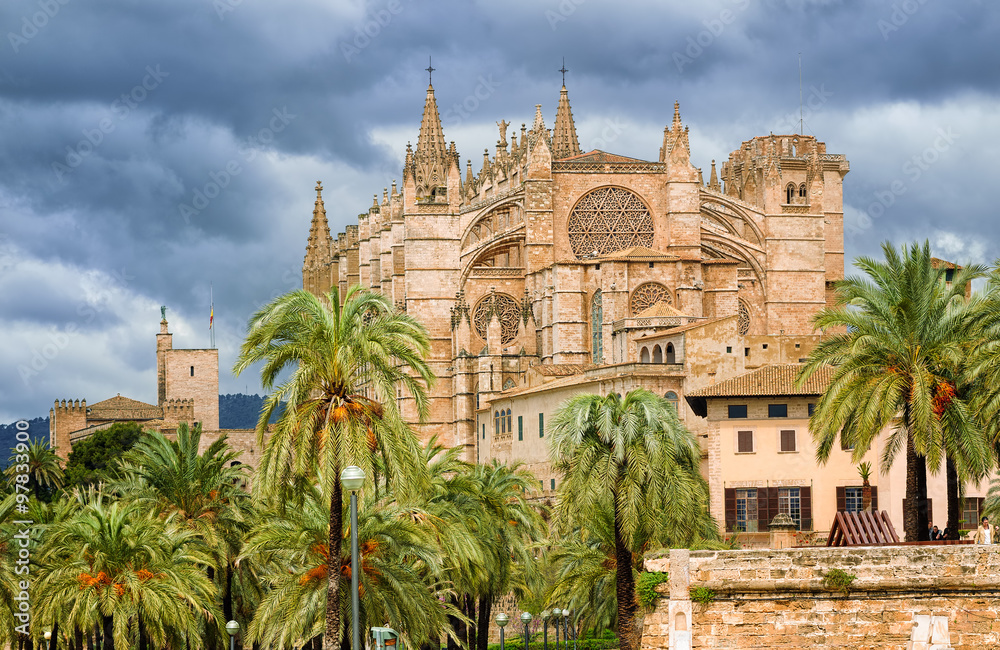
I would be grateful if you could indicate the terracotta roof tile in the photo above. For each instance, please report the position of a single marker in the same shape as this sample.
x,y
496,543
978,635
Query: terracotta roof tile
x,y
123,408
683,328
660,310
561,369
769,381
639,254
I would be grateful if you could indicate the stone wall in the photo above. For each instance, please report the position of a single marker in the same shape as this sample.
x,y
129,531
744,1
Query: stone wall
x,y
903,597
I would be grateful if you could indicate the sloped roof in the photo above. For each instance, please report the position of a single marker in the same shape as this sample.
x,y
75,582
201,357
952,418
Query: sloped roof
x,y
123,408
598,156
683,328
660,310
769,381
561,369
639,254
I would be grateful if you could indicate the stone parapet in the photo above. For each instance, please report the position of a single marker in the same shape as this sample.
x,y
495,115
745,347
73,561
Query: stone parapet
x,y
901,597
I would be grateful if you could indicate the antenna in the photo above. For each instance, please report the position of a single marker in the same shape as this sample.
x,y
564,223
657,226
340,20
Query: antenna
x,y
801,129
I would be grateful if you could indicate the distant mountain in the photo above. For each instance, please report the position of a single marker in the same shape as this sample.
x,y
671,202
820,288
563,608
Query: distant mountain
x,y
240,411
38,428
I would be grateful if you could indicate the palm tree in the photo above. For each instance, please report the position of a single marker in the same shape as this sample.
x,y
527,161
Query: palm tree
x,y
397,561
41,464
901,337
508,527
202,492
634,455
347,363
139,578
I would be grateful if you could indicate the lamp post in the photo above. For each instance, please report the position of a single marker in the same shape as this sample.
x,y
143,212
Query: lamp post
x,y
501,620
566,629
556,613
526,619
545,629
351,479
232,627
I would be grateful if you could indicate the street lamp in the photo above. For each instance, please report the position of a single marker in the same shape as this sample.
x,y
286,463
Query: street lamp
x,y
566,622
556,613
351,479
545,629
526,619
501,620
232,627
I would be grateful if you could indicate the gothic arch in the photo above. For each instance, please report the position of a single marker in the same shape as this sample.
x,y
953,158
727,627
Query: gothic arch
x,y
500,218
608,219
728,211
648,294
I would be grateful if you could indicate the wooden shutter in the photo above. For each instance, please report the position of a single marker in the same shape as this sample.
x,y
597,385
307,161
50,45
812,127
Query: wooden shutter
x,y
805,507
788,440
874,499
767,507
730,507
841,499
744,442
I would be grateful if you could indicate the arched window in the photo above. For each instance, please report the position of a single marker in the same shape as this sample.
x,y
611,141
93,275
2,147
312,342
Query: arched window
x,y
507,385
671,397
802,191
789,192
510,425
671,355
657,354
503,423
496,422
596,323
644,356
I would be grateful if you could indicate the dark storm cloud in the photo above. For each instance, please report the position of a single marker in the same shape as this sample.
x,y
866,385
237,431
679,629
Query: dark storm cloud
x,y
175,145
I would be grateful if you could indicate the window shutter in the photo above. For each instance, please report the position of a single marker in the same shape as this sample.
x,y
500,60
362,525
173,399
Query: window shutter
x,y
874,499
767,507
787,440
805,507
841,499
730,507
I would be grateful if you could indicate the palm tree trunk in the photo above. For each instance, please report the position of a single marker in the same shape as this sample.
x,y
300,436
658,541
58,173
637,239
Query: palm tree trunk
x,y
483,624
470,611
227,597
910,518
54,639
331,640
954,498
457,624
78,639
108,633
923,521
624,590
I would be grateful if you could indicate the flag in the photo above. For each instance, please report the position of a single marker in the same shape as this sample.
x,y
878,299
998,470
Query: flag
x,y
211,317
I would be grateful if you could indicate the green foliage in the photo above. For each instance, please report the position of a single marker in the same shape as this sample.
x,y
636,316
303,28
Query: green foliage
x,y
865,471
838,580
645,587
702,595
241,411
92,460
604,640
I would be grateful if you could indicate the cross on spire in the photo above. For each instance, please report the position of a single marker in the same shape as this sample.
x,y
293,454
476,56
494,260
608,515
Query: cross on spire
x,y
430,71
563,70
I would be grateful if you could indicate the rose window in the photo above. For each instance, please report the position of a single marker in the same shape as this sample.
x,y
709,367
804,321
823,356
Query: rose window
x,y
743,319
647,295
507,310
607,220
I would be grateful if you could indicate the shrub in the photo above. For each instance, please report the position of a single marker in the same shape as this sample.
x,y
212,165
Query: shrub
x,y
838,580
645,588
702,595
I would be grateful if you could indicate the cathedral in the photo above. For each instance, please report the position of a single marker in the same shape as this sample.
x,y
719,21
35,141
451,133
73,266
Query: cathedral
x,y
553,270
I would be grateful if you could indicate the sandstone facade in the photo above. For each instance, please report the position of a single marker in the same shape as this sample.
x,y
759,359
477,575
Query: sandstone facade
x,y
554,270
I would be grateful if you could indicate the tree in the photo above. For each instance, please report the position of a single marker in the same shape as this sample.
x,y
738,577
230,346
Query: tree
x,y
41,465
900,339
347,363
92,460
140,578
633,456
201,492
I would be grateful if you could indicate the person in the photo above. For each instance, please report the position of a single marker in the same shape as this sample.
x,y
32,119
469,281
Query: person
x,y
984,534
944,534
935,534
930,530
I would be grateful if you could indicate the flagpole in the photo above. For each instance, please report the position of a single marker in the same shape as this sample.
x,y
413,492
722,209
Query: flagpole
x,y
211,316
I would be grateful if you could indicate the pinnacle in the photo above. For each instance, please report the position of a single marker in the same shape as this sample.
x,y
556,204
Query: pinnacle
x,y
431,138
564,140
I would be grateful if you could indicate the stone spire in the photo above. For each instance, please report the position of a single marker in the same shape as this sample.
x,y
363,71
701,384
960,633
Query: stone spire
x,y
675,140
564,141
318,246
713,180
431,156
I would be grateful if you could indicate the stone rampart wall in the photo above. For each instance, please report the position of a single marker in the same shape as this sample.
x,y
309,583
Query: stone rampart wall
x,y
919,597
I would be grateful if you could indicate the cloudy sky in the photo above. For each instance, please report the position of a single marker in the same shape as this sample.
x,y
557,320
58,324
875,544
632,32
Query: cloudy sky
x,y
152,150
